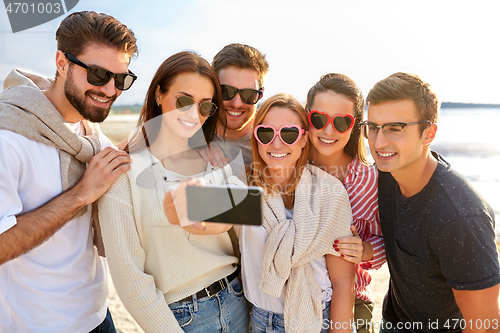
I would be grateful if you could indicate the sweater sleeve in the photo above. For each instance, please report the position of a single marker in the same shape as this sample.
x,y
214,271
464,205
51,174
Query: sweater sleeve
x,y
126,261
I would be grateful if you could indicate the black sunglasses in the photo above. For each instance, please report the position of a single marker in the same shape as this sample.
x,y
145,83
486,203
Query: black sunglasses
x,y
99,76
185,103
248,96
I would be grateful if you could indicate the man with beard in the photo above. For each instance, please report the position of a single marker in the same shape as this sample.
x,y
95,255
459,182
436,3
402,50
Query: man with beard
x,y
51,278
241,70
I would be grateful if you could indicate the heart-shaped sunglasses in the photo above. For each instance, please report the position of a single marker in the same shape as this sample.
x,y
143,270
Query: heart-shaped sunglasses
x,y
288,134
320,120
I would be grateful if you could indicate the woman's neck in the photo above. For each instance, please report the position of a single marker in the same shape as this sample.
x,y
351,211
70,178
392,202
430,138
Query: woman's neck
x,y
283,177
166,145
336,165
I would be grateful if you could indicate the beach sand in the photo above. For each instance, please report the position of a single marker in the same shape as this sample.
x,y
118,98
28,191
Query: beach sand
x,y
124,323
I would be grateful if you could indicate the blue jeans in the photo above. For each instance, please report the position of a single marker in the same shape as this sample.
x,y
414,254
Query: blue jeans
x,y
226,311
264,321
107,325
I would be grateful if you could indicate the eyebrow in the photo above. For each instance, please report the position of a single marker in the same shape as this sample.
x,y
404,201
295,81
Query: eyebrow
x,y
189,95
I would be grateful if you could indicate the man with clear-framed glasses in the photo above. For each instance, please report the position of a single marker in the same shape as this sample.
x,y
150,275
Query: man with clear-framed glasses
x,y
438,231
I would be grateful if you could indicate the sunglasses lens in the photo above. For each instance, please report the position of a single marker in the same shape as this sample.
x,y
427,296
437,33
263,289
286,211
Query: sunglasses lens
x,y
228,92
207,109
249,96
123,81
184,103
318,120
289,135
98,76
265,135
342,124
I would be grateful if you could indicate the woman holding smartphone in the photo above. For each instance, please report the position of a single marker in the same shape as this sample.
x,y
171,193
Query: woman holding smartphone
x,y
335,109
292,275
169,278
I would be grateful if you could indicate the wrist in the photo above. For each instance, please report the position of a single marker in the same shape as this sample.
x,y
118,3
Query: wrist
x,y
367,251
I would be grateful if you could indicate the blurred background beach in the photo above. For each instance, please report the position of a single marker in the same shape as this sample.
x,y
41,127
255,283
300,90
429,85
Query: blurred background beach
x,y
450,43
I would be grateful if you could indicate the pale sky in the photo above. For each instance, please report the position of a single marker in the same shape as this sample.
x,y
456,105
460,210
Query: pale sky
x,y
452,44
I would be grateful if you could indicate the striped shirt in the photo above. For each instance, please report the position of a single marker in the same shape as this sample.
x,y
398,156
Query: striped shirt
x,y
361,185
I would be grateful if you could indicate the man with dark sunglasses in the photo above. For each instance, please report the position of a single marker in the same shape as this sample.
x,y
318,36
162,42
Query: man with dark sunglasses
x,y
54,163
438,231
241,70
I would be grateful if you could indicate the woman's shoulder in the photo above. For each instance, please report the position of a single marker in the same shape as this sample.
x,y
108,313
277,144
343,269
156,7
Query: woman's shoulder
x,y
321,177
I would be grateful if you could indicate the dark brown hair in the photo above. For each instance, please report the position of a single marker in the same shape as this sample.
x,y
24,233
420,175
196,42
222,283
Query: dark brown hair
x,y
80,29
400,86
242,56
344,85
182,62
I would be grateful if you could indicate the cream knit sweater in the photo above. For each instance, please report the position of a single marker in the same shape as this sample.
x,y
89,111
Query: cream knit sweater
x,y
321,214
152,262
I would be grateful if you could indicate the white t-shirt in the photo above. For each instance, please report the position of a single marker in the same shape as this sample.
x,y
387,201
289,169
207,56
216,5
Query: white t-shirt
x,y
252,241
61,285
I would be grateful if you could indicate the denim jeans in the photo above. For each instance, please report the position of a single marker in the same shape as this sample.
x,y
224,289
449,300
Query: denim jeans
x,y
107,325
224,312
264,321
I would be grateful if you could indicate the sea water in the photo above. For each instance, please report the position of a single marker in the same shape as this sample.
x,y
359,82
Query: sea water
x,y
469,139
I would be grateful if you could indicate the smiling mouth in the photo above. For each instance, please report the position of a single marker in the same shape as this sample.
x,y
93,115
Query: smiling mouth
x,y
278,155
326,140
386,154
187,123
235,113
100,99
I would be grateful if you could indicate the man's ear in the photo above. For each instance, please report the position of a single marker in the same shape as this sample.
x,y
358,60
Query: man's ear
x,y
262,95
62,63
430,133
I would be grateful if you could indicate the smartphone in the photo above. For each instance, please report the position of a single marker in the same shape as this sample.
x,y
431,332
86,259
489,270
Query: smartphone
x,y
226,204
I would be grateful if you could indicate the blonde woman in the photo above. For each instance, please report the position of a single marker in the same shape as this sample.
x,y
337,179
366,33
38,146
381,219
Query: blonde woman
x,y
291,273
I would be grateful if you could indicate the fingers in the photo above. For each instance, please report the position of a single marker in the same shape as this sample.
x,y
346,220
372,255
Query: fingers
x,y
349,248
354,230
204,153
169,208
218,155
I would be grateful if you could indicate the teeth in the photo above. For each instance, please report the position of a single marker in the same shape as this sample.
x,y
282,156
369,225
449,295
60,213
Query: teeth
x,y
100,100
386,154
187,123
278,155
326,140
232,113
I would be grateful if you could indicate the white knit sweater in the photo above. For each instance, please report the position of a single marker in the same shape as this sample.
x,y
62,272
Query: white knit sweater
x,y
152,262
321,214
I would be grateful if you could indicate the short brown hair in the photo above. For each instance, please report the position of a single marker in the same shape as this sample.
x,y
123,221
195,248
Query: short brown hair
x,y
242,56
80,29
258,175
399,86
344,85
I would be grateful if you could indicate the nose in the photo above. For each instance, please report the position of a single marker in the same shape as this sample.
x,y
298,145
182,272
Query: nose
x,y
328,129
380,141
109,89
236,102
277,144
193,111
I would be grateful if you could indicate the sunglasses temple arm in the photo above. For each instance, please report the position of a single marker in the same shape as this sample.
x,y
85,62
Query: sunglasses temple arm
x,y
228,189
